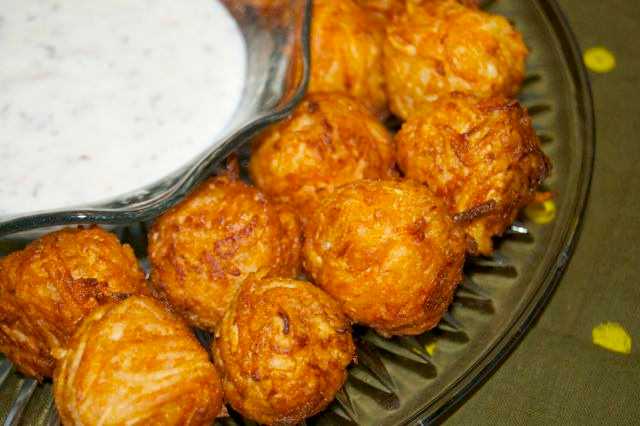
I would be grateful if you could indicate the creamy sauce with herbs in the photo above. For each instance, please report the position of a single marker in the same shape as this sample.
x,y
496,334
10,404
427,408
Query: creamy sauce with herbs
x,y
99,98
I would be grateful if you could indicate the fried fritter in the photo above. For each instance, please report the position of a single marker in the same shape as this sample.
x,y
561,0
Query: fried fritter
x,y
390,8
134,363
329,140
386,8
346,53
481,156
439,46
388,252
282,350
206,246
48,287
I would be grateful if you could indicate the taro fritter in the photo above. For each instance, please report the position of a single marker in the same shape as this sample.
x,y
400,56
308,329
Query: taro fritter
x,y
134,363
47,288
390,8
482,157
439,46
329,140
205,247
282,351
386,8
388,252
346,52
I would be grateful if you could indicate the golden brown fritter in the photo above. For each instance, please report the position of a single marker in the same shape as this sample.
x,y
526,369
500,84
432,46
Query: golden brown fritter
x,y
329,140
134,363
206,246
391,8
439,46
481,156
282,350
385,8
388,252
47,288
346,53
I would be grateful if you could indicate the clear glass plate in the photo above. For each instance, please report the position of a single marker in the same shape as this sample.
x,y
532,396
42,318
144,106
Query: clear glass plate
x,y
403,380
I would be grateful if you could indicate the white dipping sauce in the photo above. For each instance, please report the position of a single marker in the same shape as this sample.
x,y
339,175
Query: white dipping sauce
x,y
99,98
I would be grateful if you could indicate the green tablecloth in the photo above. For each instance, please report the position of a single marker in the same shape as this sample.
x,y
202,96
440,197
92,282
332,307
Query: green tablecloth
x,y
557,375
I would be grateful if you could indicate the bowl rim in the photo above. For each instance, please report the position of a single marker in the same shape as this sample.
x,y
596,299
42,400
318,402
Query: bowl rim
x,y
474,377
189,178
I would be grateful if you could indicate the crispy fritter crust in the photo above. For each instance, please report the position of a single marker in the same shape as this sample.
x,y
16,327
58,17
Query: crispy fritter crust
x,y
346,53
481,156
439,46
329,140
390,8
135,363
206,246
48,287
388,252
384,7
282,350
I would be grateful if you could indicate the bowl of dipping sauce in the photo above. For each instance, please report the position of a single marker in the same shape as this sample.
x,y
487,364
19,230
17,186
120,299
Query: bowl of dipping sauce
x,y
111,112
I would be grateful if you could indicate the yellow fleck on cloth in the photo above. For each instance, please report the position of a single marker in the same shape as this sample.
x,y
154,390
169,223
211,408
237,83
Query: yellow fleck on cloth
x,y
431,348
599,59
541,213
612,336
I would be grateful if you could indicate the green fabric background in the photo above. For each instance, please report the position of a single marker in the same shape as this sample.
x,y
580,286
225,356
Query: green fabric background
x,y
556,375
